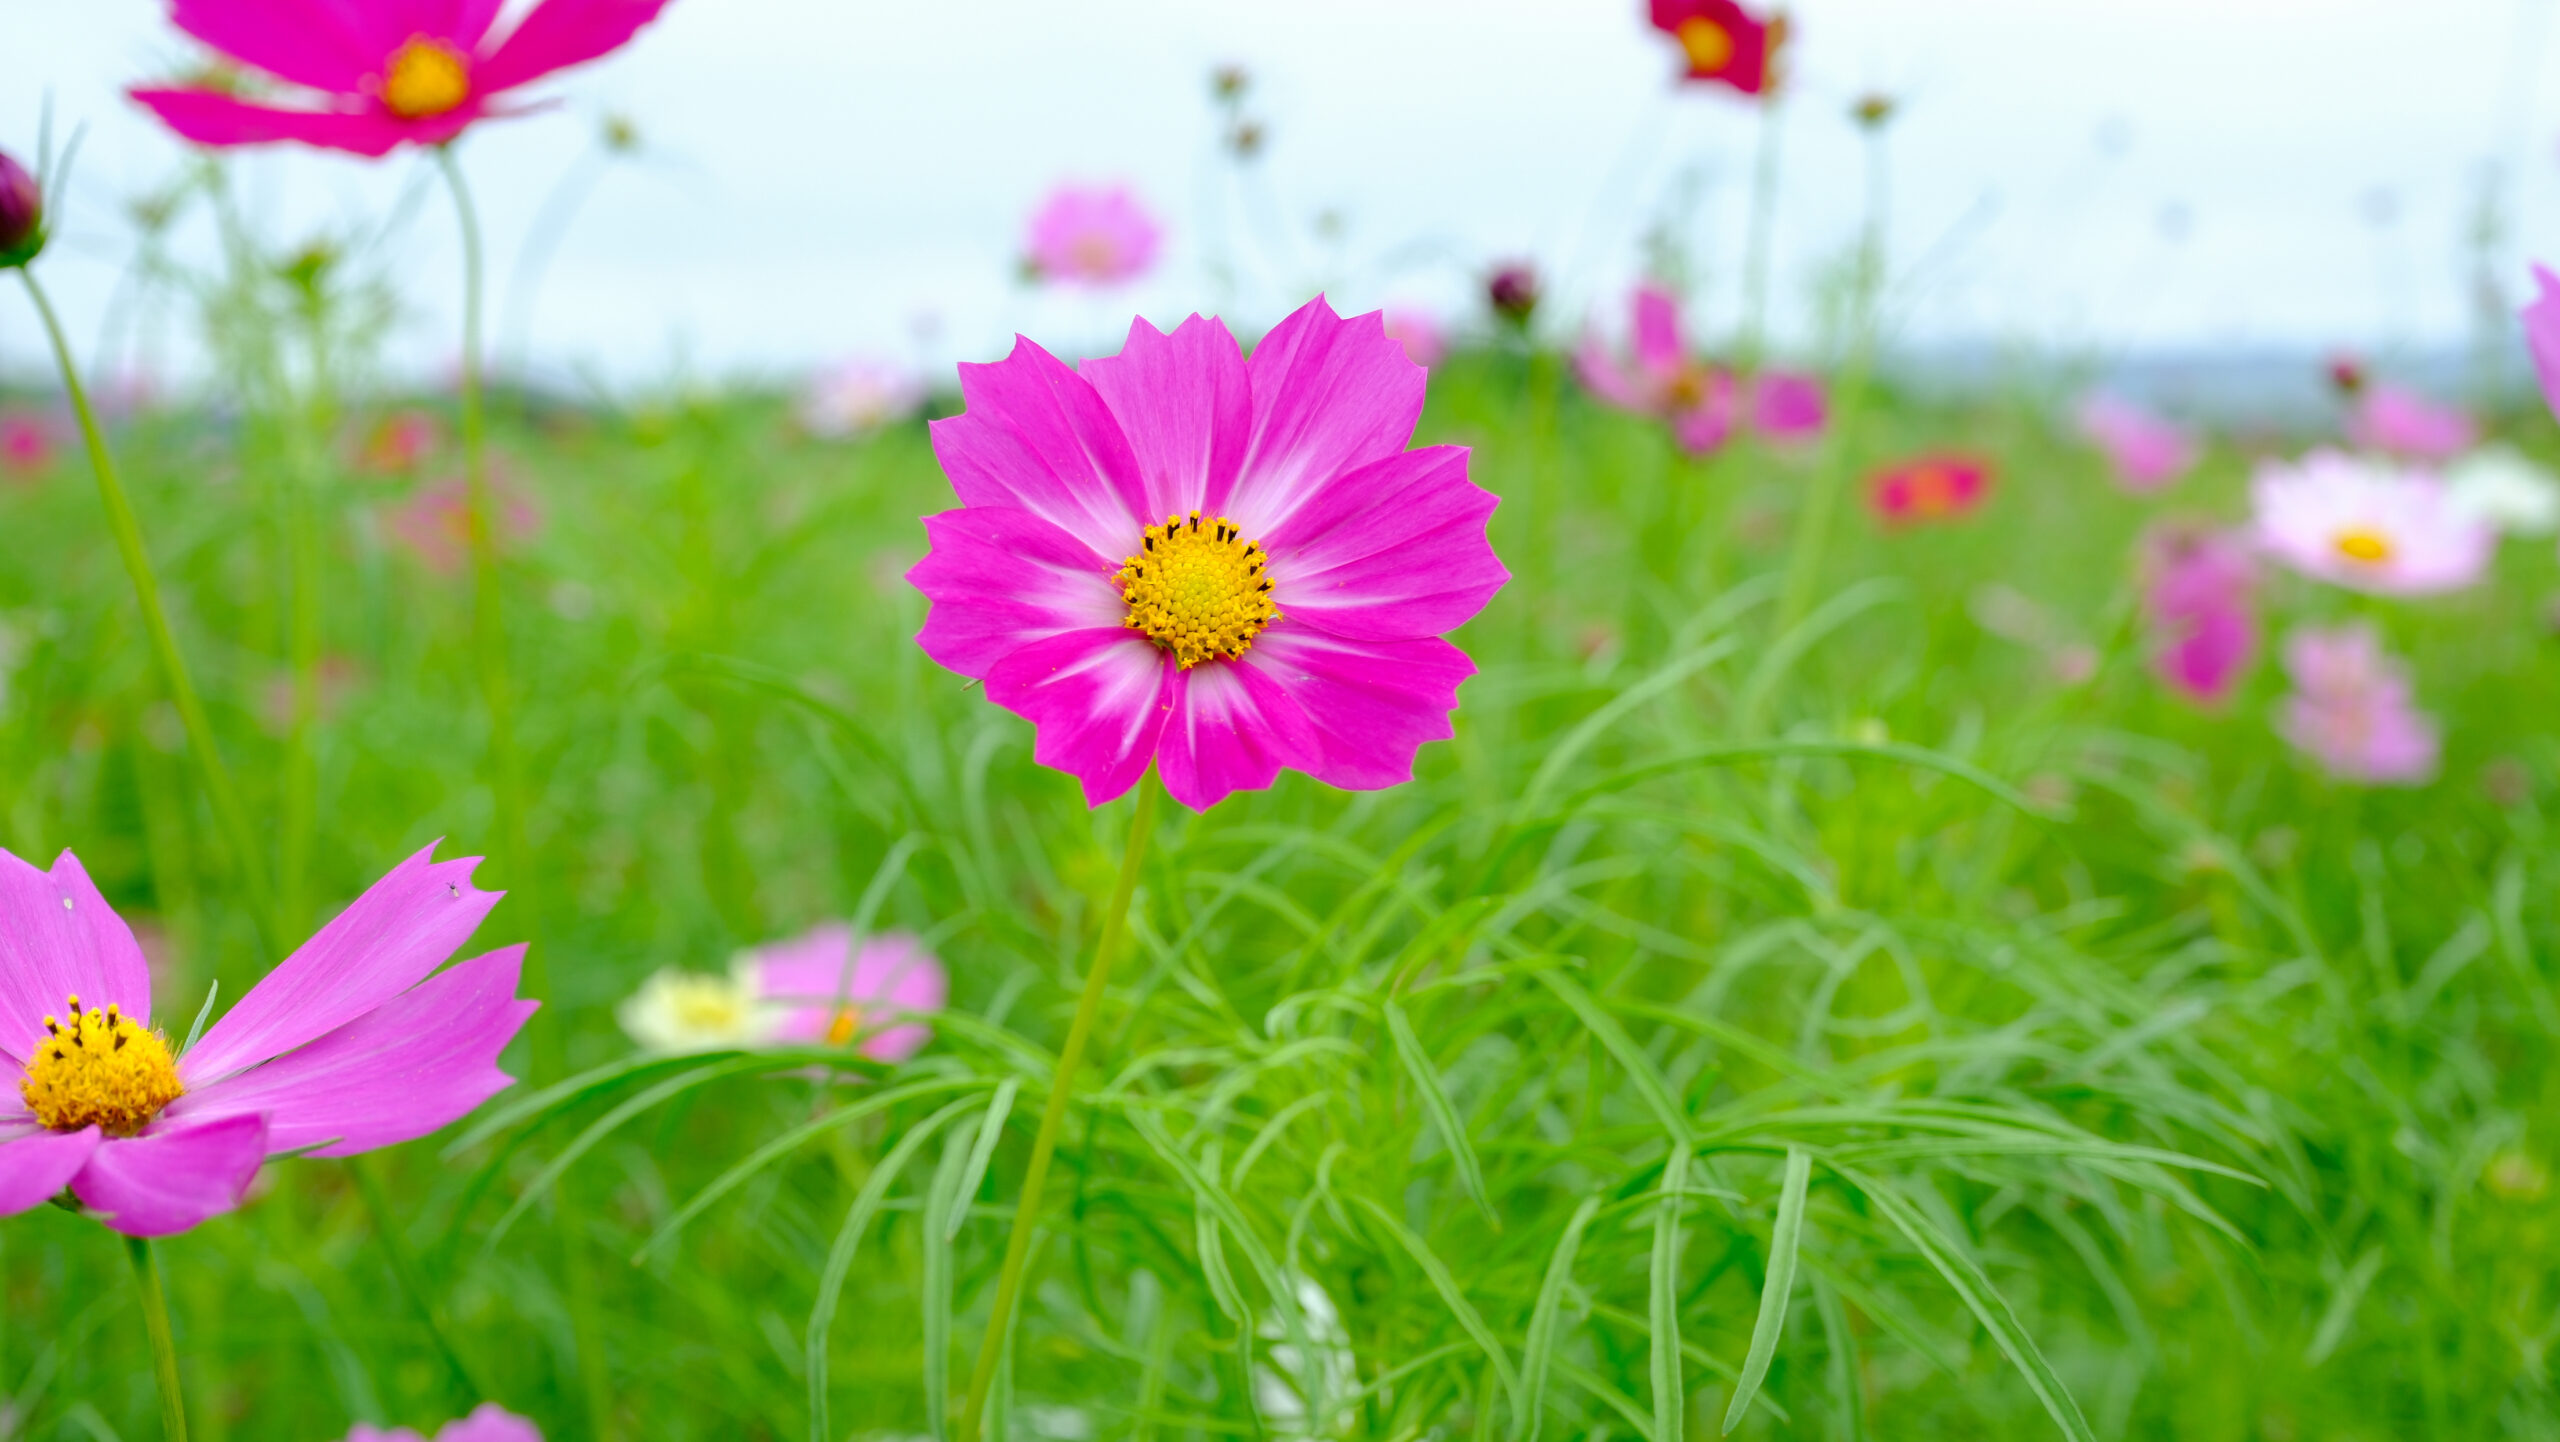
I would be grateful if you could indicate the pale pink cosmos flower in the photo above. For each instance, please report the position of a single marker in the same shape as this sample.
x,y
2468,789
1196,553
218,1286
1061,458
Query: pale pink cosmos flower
x,y
2542,334
1420,333
355,1042
2198,598
2353,711
1092,237
2368,525
488,1423
1224,567
858,396
2400,422
434,524
1701,402
814,988
373,74
2146,452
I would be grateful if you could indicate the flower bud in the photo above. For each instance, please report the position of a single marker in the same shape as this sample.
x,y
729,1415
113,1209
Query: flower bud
x,y
1513,292
21,214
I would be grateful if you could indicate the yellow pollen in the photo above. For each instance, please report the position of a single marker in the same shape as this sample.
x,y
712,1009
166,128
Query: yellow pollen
x,y
846,1022
425,78
1198,588
2365,544
103,1070
1710,45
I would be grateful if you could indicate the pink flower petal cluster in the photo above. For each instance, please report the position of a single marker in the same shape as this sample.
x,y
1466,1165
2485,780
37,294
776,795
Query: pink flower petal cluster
x,y
434,524
1092,237
1295,466
829,992
2197,600
2353,711
1425,342
355,1042
381,73
1702,403
2400,422
2368,525
1941,487
488,1423
2146,452
2541,319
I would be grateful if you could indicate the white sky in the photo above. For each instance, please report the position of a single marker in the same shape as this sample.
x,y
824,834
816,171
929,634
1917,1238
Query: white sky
x,y
839,176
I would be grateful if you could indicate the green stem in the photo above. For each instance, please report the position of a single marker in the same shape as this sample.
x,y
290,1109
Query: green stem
x,y
1755,264
155,621
164,1350
1026,1212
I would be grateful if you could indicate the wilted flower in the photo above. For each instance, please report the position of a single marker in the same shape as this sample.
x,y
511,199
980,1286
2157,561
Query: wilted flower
x,y
814,988
26,443
434,525
2368,526
349,1045
1424,342
1724,43
2145,451
1092,237
1223,567
2542,334
21,213
1513,292
2398,421
2197,599
381,75
855,397
2497,485
1929,488
489,1423
2352,709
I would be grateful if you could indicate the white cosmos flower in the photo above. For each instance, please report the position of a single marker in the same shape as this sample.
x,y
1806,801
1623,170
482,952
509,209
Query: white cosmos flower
x,y
2498,485
679,1011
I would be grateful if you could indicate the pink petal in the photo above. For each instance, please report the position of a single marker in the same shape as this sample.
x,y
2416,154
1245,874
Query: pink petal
x,y
1657,340
1000,579
562,33
490,1423
2542,334
1372,703
1706,426
414,1064
893,973
1037,437
1612,383
1185,405
60,939
221,121
1329,396
37,1166
1099,699
172,1177
1233,727
384,943
1390,552
324,44
366,1432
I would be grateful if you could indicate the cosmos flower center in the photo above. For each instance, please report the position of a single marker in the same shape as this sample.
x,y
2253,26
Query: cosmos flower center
x,y
1710,45
2364,543
425,78
1198,589
709,1005
1094,253
842,1026
1933,490
104,1070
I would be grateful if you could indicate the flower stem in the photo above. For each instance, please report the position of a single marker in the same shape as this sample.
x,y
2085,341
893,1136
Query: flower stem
x,y
1026,1212
164,1350
1756,255
155,622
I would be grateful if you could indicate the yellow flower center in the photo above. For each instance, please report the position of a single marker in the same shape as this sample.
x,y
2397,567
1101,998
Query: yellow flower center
x,y
845,1023
102,1070
1198,589
425,78
708,1005
1710,45
2363,543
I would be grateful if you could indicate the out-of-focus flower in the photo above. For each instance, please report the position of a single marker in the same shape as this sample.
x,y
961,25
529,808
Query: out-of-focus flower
x,y
1424,342
489,1423
2146,452
381,75
1658,377
2496,484
434,524
2197,599
1723,43
2346,374
2515,1176
2368,525
1513,291
26,443
1220,566
2353,711
398,443
339,678
21,213
813,988
1929,488
354,1042
2541,319
858,396
1092,237
1873,110
1788,405
2400,422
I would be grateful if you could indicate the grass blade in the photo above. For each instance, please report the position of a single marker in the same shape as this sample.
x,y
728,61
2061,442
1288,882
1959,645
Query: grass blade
x,y
1536,1349
1772,1322
990,1131
1435,1100
822,1313
1662,1304
1468,1318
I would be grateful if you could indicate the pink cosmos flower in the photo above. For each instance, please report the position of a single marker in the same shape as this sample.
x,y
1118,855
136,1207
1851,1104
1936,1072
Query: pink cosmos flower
x,y
858,396
1657,377
26,443
2368,526
2400,422
2197,597
1929,488
1092,237
825,991
398,443
1424,342
2147,452
2352,709
1788,405
1222,566
348,1046
434,524
2542,334
381,73
490,1423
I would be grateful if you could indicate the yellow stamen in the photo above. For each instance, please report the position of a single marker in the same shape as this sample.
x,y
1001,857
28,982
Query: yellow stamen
x,y
845,1023
1198,588
425,78
1710,45
103,1070
2364,543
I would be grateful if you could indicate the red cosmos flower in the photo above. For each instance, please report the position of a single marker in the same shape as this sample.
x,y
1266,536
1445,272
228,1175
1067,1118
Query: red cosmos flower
x,y
1724,42
383,72
1929,488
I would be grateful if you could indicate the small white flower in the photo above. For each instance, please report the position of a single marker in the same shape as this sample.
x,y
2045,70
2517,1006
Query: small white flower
x,y
2498,485
678,1011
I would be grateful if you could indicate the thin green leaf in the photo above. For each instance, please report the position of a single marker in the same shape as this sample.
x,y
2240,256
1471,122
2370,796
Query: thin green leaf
x,y
866,1202
990,1131
1444,1116
1468,1318
1662,1305
1539,1347
1772,1322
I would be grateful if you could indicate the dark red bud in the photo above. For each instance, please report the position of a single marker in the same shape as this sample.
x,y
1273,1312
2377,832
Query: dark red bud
x,y
1513,292
21,213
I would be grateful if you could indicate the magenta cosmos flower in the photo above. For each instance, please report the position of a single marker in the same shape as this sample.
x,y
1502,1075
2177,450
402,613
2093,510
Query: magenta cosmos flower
x,y
2146,452
350,1045
1092,237
2352,709
2369,526
1227,567
2197,597
490,1423
2398,421
382,73
2542,334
